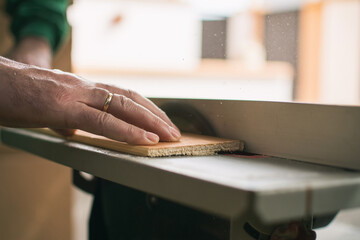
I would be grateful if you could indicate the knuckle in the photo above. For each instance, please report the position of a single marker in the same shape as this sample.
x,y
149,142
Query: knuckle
x,y
100,94
163,114
124,102
63,87
107,87
157,122
99,85
130,132
132,94
68,78
134,135
101,120
102,85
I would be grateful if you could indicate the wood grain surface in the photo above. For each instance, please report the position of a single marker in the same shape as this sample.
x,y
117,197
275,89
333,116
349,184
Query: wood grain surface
x,y
189,144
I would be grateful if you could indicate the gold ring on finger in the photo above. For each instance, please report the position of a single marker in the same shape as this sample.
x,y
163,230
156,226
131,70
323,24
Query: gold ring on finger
x,y
107,102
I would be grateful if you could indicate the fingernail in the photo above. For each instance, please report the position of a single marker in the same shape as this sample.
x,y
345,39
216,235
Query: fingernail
x,y
152,137
175,133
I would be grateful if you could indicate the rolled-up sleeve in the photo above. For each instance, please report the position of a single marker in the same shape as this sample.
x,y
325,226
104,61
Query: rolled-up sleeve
x,y
44,18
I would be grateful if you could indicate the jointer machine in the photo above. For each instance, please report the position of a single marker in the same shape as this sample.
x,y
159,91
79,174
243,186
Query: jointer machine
x,y
301,163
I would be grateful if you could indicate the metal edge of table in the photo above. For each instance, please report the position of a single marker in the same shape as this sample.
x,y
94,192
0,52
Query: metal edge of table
x,y
215,198
178,188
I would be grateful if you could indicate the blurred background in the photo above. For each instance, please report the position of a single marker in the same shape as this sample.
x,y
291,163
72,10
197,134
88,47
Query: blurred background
x,y
281,50
278,50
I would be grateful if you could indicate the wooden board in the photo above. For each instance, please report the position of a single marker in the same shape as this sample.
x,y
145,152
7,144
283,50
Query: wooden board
x,y
189,144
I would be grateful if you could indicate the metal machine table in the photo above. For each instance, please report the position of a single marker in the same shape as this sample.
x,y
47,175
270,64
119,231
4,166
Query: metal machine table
x,y
266,190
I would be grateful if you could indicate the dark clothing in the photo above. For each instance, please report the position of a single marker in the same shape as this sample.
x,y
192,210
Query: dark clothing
x,y
43,18
120,212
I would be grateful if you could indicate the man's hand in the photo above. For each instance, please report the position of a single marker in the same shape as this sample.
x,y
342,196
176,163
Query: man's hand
x,y
36,97
32,50
36,51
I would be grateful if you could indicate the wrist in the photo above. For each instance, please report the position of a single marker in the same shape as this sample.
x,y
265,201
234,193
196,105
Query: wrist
x,y
36,42
33,50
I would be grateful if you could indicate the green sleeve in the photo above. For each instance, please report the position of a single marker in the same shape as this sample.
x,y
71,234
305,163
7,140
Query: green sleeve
x,y
43,18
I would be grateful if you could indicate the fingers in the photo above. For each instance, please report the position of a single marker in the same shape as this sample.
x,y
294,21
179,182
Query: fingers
x,y
140,100
131,112
101,123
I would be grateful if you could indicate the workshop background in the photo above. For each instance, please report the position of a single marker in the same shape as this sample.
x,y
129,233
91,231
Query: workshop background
x,y
278,50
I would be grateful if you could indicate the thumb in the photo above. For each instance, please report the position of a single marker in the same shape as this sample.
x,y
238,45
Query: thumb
x,y
65,132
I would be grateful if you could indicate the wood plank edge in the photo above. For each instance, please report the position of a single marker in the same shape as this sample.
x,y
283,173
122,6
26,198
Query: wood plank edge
x,y
198,150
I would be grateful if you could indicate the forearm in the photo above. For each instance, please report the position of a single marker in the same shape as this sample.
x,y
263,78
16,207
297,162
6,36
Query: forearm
x,y
31,96
33,50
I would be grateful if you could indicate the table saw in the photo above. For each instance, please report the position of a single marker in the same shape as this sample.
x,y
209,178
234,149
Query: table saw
x,y
300,162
